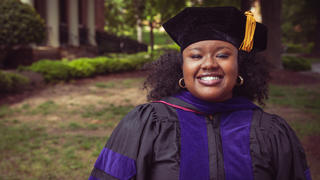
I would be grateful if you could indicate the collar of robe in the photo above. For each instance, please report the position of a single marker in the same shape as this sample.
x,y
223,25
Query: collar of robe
x,y
233,104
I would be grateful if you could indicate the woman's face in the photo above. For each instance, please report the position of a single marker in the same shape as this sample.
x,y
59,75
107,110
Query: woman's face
x,y
210,69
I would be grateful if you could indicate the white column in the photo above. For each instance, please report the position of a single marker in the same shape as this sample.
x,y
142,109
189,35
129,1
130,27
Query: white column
x,y
139,31
31,2
91,23
73,10
53,23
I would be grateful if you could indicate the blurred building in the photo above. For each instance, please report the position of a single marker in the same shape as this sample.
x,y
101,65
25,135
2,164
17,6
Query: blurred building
x,y
70,22
75,28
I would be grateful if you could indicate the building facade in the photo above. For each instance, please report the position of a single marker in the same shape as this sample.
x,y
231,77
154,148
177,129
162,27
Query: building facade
x,y
70,22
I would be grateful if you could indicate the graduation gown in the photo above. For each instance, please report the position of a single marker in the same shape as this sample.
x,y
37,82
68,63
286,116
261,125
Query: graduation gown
x,y
160,141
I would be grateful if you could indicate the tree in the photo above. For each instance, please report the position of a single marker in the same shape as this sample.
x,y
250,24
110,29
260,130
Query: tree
x,y
271,17
209,3
153,12
301,23
166,9
116,17
137,8
314,5
20,25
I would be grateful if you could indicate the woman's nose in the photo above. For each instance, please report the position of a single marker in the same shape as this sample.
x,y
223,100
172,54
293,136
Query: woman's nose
x,y
210,63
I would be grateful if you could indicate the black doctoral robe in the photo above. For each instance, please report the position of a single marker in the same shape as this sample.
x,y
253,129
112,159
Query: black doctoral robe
x,y
148,145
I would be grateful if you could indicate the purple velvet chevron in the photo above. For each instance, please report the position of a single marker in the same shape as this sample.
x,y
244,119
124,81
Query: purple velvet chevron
x,y
115,164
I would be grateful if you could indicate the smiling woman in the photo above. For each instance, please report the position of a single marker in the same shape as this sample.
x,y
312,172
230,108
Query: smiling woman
x,y
210,69
201,122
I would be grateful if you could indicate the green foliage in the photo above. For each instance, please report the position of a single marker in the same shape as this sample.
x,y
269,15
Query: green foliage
x,y
150,11
296,63
166,8
87,67
299,20
81,68
20,24
160,38
10,82
116,15
168,47
209,3
51,70
299,48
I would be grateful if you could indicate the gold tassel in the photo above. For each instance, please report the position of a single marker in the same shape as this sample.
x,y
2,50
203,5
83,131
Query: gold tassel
x,y
247,43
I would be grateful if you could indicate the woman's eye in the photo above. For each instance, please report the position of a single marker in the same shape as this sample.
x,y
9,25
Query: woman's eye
x,y
223,56
196,56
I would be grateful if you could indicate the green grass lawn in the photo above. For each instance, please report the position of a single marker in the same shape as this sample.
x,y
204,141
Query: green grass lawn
x,y
305,99
59,133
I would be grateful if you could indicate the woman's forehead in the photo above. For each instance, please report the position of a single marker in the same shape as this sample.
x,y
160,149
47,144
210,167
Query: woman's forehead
x,y
210,44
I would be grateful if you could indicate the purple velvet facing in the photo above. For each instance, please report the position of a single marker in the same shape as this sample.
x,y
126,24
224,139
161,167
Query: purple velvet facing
x,y
93,178
235,135
194,162
307,174
115,164
233,104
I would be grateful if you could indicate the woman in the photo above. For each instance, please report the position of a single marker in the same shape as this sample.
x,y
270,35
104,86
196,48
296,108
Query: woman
x,y
201,123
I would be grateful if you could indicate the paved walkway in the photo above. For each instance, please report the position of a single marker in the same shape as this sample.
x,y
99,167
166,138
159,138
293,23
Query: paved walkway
x,y
316,67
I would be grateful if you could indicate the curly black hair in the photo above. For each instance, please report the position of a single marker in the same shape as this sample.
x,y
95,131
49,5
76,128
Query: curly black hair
x,y
164,74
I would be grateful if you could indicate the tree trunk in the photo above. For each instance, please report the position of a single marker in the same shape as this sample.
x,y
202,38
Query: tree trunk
x,y
316,48
139,31
151,35
271,17
3,55
246,5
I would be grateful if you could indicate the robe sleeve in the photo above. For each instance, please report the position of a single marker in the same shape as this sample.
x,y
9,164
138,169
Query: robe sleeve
x,y
130,144
282,150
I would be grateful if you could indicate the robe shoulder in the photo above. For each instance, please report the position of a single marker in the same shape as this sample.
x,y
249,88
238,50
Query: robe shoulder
x,y
142,121
276,145
128,153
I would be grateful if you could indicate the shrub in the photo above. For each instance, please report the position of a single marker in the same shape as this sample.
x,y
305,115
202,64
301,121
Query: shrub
x,y
125,62
296,63
99,63
87,67
299,48
172,46
81,68
51,70
20,24
11,82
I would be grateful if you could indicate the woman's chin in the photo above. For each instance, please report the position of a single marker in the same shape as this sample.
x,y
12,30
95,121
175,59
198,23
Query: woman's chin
x,y
212,96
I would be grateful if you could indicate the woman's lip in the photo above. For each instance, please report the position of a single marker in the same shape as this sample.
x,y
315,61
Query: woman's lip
x,y
212,82
210,74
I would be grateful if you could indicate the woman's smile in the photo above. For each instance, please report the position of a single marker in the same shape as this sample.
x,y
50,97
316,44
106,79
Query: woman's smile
x,y
210,79
210,69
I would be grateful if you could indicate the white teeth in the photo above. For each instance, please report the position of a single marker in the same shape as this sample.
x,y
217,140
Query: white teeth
x,y
209,78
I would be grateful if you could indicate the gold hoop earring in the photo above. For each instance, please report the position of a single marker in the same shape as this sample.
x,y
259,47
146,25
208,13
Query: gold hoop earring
x,y
241,81
182,84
